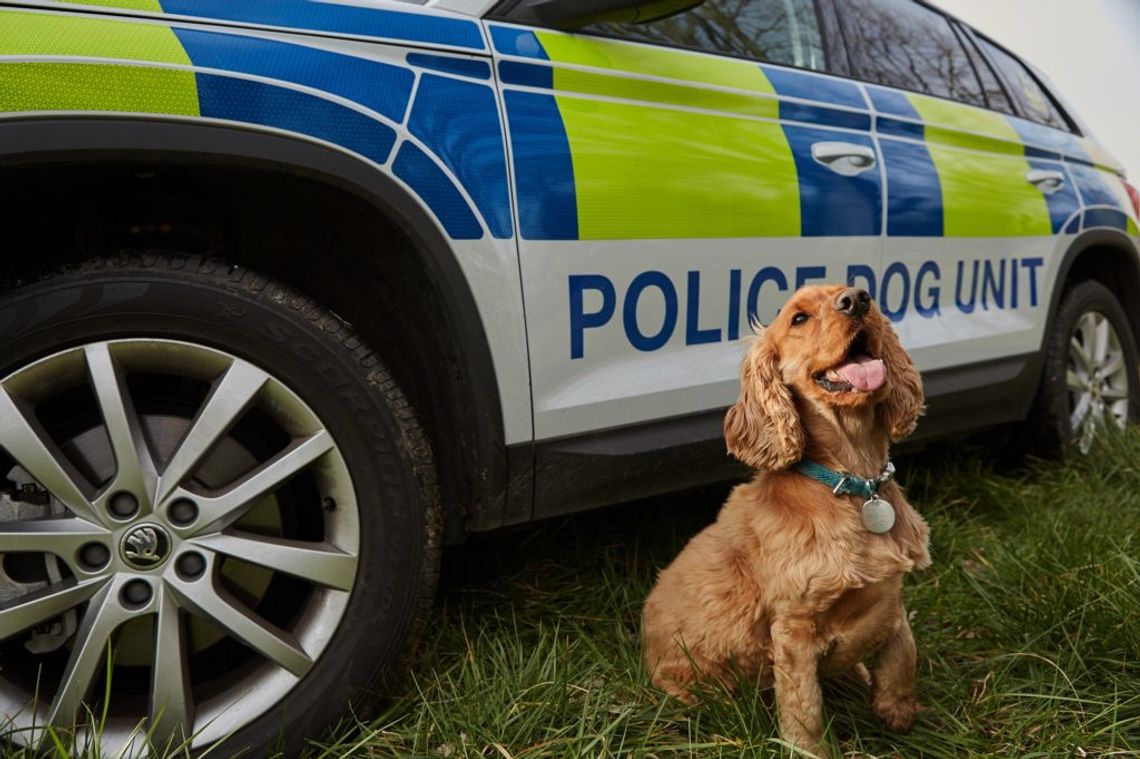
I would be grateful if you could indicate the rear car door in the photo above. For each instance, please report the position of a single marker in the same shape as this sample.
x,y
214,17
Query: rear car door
x,y
979,202
666,194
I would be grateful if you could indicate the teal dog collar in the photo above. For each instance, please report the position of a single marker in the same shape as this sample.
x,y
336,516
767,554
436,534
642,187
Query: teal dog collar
x,y
878,515
842,483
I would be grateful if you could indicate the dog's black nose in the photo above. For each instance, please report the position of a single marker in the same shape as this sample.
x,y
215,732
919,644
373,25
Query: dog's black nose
x,y
853,302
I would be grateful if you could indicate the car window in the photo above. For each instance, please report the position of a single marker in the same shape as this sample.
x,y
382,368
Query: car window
x,y
899,43
776,31
1038,105
996,96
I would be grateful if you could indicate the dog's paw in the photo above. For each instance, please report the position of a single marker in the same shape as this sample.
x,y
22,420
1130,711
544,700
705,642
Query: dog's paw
x,y
897,715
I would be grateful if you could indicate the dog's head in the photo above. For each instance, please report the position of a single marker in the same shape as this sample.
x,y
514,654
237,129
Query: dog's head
x,y
831,347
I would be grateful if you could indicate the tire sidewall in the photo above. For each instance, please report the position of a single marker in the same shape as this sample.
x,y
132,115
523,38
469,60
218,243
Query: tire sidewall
x,y
273,328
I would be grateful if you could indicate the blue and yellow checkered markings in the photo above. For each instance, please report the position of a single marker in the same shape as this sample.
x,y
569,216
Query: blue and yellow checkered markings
x,y
1046,142
463,108
544,168
526,74
806,97
916,197
355,103
381,87
1105,217
892,102
1064,204
1104,206
831,205
914,193
510,40
333,17
436,189
446,64
254,102
1094,186
459,121
546,154
821,89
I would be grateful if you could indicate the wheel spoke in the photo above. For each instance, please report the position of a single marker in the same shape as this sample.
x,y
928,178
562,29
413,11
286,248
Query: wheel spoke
x,y
1088,432
1113,363
215,512
212,601
34,608
61,537
1101,339
319,563
1081,411
26,441
171,704
1077,351
1113,393
103,617
1076,382
231,395
134,467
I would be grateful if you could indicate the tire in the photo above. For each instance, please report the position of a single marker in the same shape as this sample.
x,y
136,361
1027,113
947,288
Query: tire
x,y
314,576
1077,396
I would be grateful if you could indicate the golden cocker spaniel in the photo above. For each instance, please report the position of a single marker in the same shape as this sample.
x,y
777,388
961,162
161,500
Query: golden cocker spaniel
x,y
794,580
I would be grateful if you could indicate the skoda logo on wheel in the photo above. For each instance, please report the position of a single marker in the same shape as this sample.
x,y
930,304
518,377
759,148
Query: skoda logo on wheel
x,y
146,546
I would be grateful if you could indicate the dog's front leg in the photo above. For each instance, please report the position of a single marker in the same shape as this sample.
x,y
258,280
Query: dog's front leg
x,y
894,698
795,655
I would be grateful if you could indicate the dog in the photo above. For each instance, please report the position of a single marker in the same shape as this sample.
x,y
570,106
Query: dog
x,y
791,583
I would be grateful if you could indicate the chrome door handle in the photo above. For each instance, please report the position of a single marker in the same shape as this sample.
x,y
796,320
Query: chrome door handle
x,y
1046,180
844,158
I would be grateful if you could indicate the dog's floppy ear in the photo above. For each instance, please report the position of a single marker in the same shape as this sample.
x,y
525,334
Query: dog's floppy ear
x,y
763,429
904,403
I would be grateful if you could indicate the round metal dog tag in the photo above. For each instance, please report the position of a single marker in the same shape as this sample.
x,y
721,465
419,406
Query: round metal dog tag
x,y
878,515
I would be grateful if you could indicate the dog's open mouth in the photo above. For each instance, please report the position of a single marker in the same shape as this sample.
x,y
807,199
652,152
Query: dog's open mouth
x,y
858,370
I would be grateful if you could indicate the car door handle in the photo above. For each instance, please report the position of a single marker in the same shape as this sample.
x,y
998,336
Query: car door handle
x,y
1046,180
844,158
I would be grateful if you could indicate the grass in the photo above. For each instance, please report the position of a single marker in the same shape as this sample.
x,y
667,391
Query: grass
x,y
1028,630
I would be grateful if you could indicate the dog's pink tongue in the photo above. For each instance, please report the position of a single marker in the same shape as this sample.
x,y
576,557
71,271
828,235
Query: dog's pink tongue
x,y
864,373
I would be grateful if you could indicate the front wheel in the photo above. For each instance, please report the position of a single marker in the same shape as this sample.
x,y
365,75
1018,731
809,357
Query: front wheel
x,y
1090,378
219,519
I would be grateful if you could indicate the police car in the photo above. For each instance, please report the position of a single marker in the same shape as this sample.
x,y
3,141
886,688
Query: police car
x,y
296,292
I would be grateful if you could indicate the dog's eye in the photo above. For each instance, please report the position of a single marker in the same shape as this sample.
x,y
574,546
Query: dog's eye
x,y
799,319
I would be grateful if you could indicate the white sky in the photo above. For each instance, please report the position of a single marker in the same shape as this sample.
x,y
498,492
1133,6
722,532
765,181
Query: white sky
x,y
1090,49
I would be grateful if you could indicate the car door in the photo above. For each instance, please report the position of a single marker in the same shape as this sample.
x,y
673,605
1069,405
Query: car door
x,y
975,211
665,195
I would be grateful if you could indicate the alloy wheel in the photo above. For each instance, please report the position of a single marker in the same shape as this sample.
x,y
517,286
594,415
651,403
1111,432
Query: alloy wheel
x,y
1096,378
180,510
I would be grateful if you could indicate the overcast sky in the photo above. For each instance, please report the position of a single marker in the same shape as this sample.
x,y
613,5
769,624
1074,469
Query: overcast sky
x,y
1090,49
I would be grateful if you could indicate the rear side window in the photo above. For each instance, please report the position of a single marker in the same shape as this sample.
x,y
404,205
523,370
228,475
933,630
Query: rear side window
x,y
776,31
995,93
1034,99
899,43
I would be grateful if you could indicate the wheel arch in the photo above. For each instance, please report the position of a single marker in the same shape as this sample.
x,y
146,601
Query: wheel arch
x,y
1107,256
440,356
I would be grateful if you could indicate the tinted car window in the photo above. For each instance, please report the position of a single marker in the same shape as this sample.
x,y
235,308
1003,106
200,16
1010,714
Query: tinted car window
x,y
1038,105
995,93
900,43
778,31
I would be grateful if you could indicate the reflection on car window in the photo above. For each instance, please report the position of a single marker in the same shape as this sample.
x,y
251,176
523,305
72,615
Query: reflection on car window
x,y
899,43
1038,106
777,31
995,94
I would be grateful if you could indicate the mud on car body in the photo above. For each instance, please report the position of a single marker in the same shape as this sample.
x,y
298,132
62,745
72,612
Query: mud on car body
x,y
297,292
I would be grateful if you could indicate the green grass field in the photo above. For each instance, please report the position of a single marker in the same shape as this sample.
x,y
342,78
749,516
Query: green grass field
x,y
1028,629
